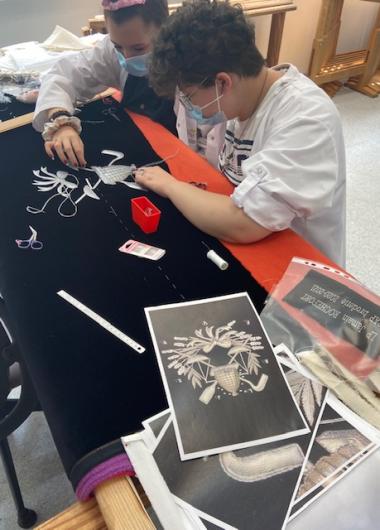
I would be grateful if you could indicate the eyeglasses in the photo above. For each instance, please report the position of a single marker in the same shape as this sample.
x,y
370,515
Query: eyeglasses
x,y
185,99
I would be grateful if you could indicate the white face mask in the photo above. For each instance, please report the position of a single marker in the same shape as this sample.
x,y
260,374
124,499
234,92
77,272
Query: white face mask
x,y
195,111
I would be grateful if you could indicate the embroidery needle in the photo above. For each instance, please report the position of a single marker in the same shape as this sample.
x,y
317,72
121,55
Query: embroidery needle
x,y
101,321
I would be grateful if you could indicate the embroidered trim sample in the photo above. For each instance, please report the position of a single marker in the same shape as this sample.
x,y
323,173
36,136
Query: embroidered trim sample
x,y
263,465
355,393
342,446
351,440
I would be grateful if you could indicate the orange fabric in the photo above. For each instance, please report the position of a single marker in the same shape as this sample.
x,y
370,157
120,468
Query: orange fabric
x,y
267,259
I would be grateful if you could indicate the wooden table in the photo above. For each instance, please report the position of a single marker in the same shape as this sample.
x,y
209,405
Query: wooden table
x,y
118,505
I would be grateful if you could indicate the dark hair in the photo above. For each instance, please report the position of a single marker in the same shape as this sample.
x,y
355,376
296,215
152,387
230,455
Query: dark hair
x,y
199,40
152,12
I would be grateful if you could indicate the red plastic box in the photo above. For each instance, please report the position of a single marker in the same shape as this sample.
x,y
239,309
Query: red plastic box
x,y
145,214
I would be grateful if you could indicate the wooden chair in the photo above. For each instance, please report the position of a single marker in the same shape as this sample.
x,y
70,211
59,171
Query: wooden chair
x,y
327,68
369,82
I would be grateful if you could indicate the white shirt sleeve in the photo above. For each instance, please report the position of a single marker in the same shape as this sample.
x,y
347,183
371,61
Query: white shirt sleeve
x,y
78,77
293,175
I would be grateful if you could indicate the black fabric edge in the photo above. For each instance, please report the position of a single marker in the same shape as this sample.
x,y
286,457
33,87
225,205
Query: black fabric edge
x,y
93,459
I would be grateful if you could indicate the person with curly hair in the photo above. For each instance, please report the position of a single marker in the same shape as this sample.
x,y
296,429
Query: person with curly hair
x,y
283,148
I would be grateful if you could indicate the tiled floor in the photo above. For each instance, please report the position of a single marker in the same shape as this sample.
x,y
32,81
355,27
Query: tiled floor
x,y
361,122
43,482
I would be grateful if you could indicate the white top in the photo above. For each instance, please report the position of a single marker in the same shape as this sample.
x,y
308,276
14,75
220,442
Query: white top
x,y
83,75
79,76
287,162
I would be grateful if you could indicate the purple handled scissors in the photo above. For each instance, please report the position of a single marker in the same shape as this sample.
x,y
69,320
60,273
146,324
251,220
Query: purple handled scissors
x,y
32,242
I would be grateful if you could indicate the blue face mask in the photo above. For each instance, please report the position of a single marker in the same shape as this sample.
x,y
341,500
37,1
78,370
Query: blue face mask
x,y
195,112
136,65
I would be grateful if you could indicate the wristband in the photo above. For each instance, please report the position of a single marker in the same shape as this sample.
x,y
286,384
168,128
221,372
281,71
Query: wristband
x,y
51,127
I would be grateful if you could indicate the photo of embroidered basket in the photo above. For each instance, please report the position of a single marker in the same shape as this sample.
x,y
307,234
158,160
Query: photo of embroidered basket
x,y
228,377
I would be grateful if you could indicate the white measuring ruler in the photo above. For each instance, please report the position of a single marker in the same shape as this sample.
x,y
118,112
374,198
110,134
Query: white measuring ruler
x,y
101,321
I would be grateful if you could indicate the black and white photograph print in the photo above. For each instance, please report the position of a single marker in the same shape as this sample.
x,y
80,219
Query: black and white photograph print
x,y
309,393
224,385
337,447
156,423
209,526
247,489
324,486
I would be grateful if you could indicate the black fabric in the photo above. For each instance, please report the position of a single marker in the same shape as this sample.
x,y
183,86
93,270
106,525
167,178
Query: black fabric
x,y
92,387
15,108
93,459
139,97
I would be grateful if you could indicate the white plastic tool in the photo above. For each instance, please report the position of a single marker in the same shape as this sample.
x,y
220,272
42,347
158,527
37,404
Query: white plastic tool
x,y
101,321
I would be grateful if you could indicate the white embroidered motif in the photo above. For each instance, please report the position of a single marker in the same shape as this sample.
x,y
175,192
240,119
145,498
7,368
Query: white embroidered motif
x,y
106,174
116,174
64,188
65,183
263,465
192,357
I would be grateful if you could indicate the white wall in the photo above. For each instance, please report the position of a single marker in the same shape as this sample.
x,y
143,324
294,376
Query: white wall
x,y
25,20
22,20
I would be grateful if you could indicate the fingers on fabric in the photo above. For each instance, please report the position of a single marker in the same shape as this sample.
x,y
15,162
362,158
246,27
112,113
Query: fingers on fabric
x,y
144,178
79,150
147,173
49,149
69,147
69,152
58,148
139,175
141,172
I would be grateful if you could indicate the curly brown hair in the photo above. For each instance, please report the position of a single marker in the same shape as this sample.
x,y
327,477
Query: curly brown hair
x,y
201,39
152,12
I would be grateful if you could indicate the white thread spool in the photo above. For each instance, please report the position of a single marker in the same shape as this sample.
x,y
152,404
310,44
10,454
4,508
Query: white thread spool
x,y
215,258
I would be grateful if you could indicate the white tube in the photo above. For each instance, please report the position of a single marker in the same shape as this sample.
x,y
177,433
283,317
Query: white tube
x,y
215,258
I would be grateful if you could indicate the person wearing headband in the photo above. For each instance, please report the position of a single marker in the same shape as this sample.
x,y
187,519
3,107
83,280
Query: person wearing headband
x,y
283,149
119,61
